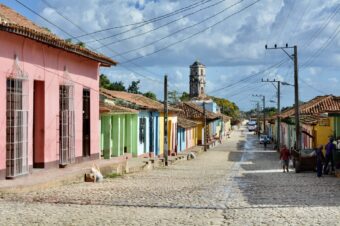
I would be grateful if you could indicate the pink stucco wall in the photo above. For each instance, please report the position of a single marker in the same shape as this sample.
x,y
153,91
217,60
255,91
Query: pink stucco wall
x,y
47,64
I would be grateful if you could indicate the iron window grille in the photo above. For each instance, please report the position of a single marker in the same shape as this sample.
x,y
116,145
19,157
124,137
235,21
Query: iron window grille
x,y
17,122
66,122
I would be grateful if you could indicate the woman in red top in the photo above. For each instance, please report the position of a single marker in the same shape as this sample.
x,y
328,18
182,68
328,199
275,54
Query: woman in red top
x,y
285,156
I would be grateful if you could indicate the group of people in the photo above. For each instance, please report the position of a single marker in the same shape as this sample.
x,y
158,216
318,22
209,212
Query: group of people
x,y
322,161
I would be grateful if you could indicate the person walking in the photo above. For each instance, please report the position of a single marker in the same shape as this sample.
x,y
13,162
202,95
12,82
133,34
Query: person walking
x,y
330,147
319,160
265,141
284,157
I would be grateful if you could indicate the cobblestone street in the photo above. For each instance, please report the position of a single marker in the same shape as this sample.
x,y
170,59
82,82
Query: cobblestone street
x,y
236,183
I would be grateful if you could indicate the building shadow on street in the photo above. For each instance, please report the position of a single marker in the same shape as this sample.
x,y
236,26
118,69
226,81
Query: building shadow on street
x,y
264,183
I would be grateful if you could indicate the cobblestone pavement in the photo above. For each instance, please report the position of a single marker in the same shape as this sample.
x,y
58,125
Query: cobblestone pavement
x,y
236,183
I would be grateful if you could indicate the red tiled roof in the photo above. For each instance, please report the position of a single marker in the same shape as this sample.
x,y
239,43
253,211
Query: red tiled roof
x,y
137,99
13,22
110,108
185,123
316,106
193,111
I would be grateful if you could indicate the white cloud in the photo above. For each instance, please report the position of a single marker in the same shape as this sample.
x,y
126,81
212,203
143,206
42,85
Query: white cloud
x,y
231,50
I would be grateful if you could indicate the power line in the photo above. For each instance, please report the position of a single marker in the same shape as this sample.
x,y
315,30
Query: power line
x,y
322,28
252,75
311,86
157,28
193,35
155,19
61,29
180,30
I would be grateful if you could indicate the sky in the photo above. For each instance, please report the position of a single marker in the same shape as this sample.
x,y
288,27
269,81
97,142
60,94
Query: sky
x,y
151,38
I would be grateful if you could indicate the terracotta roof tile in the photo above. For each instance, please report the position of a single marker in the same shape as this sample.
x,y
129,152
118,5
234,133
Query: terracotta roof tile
x,y
110,108
316,106
193,111
13,22
136,99
186,123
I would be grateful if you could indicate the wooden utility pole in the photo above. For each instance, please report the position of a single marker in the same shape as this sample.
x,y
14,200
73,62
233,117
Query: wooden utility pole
x,y
165,150
264,111
296,91
205,127
278,120
294,58
264,114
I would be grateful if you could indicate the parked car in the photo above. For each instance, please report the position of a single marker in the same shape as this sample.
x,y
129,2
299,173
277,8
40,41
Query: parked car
x,y
264,138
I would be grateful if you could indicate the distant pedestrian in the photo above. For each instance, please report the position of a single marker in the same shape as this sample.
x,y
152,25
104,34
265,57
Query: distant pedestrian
x,y
284,157
319,160
265,141
330,147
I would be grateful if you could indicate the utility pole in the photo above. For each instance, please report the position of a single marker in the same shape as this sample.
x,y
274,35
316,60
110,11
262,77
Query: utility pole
x,y
278,120
264,111
258,119
205,127
294,58
165,150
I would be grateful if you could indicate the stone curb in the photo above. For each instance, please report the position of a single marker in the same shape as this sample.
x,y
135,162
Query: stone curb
x,y
116,168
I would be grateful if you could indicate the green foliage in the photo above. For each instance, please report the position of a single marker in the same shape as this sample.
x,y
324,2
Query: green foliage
x,y
185,97
150,95
68,40
118,86
134,87
173,97
81,44
228,108
105,83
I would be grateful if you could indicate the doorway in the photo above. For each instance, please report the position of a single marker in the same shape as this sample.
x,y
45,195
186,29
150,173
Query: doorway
x,y
86,123
39,124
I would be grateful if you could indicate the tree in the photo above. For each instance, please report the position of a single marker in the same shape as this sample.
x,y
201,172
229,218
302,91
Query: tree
x,y
104,81
118,86
228,108
185,97
134,87
173,97
150,95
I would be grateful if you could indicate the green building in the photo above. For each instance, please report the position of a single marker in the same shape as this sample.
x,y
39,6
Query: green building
x,y
119,130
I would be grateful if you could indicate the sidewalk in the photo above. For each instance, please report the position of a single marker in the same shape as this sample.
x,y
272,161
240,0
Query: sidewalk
x,y
46,178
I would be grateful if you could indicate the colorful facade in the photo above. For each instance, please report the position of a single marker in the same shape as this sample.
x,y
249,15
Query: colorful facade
x,y
119,128
150,122
186,134
49,98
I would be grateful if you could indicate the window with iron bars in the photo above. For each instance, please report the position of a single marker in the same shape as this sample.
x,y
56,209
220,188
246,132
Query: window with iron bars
x,y
16,127
66,125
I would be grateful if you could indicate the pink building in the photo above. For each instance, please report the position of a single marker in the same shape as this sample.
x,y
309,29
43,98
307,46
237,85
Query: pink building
x,y
49,114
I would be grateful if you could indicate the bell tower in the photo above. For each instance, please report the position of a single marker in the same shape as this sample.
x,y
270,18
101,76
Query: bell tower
x,y
197,80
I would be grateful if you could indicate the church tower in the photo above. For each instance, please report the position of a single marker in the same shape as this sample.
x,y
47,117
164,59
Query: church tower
x,y
197,80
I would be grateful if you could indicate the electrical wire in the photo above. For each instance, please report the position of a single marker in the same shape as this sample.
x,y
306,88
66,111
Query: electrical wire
x,y
193,35
155,19
177,31
63,30
156,28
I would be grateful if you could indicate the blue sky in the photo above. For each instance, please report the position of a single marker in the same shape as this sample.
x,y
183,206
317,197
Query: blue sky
x,y
231,50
